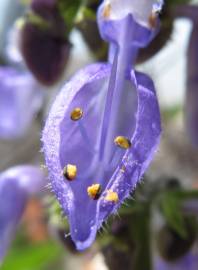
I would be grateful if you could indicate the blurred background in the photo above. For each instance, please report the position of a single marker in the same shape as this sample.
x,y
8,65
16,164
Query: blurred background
x,y
158,228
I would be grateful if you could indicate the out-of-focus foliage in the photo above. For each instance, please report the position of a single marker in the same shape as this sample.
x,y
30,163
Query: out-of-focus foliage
x,y
178,2
27,256
68,10
130,235
86,23
171,206
55,214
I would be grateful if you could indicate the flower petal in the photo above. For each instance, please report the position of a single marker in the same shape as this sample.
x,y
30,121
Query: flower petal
x,y
59,148
140,9
145,142
20,99
110,31
63,145
111,27
15,185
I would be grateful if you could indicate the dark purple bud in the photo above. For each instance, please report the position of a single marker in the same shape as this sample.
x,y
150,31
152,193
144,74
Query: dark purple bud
x,y
44,44
41,7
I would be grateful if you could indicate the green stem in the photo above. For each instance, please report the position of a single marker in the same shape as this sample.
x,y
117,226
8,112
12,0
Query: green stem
x,y
140,232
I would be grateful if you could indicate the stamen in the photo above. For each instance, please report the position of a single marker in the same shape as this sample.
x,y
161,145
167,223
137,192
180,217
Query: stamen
x,y
122,142
112,196
86,138
153,20
124,57
107,10
70,172
108,105
94,191
76,114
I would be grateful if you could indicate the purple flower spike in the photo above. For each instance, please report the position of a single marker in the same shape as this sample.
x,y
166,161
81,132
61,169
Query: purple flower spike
x,y
16,184
191,107
20,99
192,81
100,137
192,85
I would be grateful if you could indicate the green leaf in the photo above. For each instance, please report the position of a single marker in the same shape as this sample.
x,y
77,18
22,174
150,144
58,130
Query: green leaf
x,y
171,205
68,9
178,2
172,212
26,256
85,13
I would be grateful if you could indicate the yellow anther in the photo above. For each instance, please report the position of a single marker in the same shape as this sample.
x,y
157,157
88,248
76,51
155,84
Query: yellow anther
x,y
112,196
107,10
153,20
94,191
76,114
70,172
122,142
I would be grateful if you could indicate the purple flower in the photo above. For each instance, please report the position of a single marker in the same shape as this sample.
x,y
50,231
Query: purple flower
x,y
16,184
104,127
191,105
20,99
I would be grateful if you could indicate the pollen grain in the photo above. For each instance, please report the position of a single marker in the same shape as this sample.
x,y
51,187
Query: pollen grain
x,y
122,142
94,191
76,114
70,172
112,196
107,10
